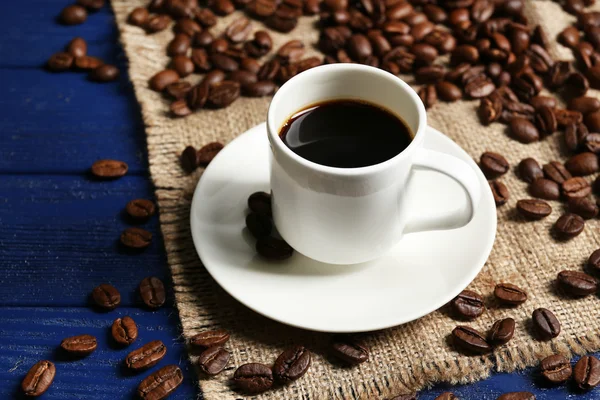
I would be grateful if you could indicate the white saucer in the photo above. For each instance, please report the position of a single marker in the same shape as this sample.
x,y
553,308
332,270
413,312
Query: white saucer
x,y
418,276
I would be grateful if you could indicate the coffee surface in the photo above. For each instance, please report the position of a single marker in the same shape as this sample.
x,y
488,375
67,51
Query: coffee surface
x,y
346,134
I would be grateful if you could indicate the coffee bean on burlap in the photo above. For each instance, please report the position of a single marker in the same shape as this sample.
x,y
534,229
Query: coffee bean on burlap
x,y
106,296
556,368
577,283
509,294
292,364
523,130
501,332
213,360
583,207
253,378
470,340
349,350
446,396
576,187
544,189
161,383
38,378
210,338
583,164
586,373
545,324
500,192
530,170
557,172
568,226
533,208
493,164
467,305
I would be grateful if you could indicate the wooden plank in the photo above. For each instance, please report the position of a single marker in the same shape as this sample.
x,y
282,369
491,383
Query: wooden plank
x,y
59,239
61,123
28,335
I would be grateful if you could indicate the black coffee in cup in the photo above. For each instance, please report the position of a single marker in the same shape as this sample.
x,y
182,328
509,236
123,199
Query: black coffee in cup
x,y
346,134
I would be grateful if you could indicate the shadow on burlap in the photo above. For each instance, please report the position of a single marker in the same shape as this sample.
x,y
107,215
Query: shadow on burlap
x,y
405,358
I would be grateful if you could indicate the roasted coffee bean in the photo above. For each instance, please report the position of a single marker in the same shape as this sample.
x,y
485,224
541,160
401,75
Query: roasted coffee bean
x,y
568,226
161,383
583,207
201,61
587,372
592,142
444,42
157,23
87,63
545,324
545,189
292,364
593,76
500,192
592,121
250,65
138,16
291,51
569,37
428,95
566,117
91,5
60,62
180,44
470,340
530,170
124,331
539,101
261,8
187,26
464,53
253,378
77,47
459,17
223,62
73,15
359,47
106,296
493,164
210,338
517,396
467,305
205,17
244,78
445,396
183,65
348,350
273,249
152,292
281,21
136,238
189,158
202,39
584,104
207,152
420,30
448,91
429,74
577,84
260,89
509,294
222,7
479,87
81,345
223,93
575,136
582,164
213,360
261,44
555,171
501,332
490,109
534,209
523,130
425,54
576,283
576,187
104,73
39,378
259,225
545,120
238,30
162,79
260,202
146,356
556,368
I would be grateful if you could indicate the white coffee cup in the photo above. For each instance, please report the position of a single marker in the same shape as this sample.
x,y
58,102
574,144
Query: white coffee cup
x,y
352,215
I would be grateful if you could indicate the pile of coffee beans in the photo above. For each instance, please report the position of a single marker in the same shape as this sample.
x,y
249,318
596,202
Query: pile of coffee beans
x,y
124,332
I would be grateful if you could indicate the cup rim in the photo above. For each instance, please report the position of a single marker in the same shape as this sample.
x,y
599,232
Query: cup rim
x,y
277,142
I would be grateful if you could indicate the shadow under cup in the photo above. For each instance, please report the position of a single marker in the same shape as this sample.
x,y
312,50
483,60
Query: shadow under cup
x,y
341,215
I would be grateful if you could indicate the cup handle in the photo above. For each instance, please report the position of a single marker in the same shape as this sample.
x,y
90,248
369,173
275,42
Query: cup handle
x,y
461,172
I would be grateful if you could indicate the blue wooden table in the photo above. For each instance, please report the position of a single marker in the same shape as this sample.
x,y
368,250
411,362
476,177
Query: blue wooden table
x,y
59,229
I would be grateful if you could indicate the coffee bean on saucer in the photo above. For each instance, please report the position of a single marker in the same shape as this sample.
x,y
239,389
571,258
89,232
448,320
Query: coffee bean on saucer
x,y
493,164
568,226
213,360
544,189
501,332
545,324
109,169
349,350
146,356
470,340
38,378
208,152
576,283
253,378
161,383
517,396
533,208
500,192
136,238
556,368
259,225
292,364
140,209
530,170
583,207
73,15
468,305
106,296
510,294
81,345
124,331
273,249
587,372
152,292
210,338
260,202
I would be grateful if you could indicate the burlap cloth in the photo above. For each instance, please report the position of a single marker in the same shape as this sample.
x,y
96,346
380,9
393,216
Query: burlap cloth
x,y
403,359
